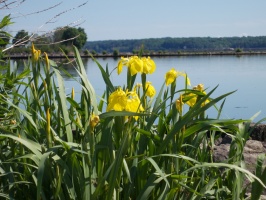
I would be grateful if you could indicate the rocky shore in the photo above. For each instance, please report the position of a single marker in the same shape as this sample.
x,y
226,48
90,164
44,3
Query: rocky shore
x,y
255,146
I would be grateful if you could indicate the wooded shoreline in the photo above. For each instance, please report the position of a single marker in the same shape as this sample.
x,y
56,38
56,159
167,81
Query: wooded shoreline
x,y
207,53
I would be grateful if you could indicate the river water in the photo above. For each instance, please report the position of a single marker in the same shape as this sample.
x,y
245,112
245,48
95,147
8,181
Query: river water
x,y
246,74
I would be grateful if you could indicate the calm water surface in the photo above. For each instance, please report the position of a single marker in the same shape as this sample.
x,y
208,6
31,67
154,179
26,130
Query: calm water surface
x,y
246,74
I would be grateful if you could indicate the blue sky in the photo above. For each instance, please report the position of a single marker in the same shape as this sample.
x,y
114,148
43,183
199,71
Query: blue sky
x,y
138,19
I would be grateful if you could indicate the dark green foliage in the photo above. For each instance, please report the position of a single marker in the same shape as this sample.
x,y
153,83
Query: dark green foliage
x,y
75,36
58,34
3,40
4,36
86,52
21,37
93,52
115,52
180,44
238,50
65,50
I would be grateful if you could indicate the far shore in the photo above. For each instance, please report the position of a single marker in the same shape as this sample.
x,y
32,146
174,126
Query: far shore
x,y
194,53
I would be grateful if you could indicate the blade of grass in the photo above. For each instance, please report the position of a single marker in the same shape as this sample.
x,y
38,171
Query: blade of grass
x,y
31,145
21,111
40,175
150,185
86,83
117,165
257,188
105,76
63,105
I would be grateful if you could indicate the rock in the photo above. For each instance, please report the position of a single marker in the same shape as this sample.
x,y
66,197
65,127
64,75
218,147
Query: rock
x,y
251,150
258,132
254,147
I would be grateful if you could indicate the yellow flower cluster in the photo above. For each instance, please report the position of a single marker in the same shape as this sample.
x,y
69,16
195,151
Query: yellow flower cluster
x,y
120,100
35,53
136,64
172,74
190,98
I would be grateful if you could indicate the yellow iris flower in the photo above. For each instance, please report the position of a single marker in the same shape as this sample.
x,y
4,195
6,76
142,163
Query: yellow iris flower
x,y
35,53
122,62
179,104
94,120
128,101
199,87
150,90
136,64
117,100
148,65
172,74
133,103
191,99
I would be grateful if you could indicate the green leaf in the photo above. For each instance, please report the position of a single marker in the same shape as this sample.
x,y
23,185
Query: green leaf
x,y
118,162
31,145
61,99
85,82
105,76
21,111
40,175
152,182
257,188
120,113
158,170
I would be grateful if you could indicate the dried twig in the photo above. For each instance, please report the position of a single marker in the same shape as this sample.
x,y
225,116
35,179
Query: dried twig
x,y
7,5
37,12
33,37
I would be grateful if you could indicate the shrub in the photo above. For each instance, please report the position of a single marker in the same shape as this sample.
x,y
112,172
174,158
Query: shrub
x,y
238,50
86,52
115,53
93,52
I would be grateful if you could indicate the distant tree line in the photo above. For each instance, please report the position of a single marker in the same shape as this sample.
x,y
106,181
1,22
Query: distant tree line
x,y
63,38
177,44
